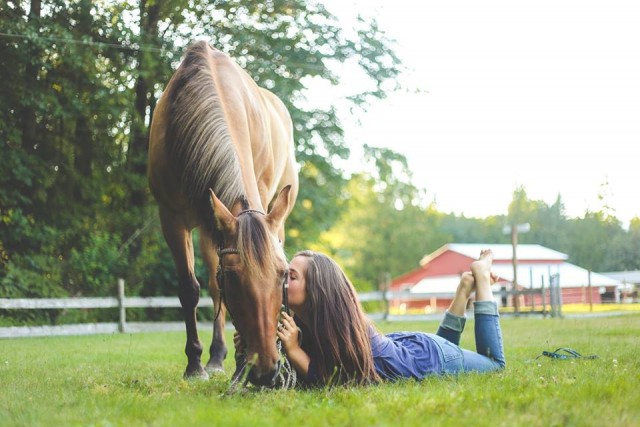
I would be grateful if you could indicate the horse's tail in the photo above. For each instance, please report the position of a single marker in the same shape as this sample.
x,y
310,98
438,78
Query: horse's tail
x,y
198,135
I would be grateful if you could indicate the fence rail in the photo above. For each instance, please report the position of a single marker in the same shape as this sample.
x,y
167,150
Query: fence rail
x,y
122,303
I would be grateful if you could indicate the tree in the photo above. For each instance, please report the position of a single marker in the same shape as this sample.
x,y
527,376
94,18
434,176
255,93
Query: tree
x,y
384,229
58,121
596,241
80,82
548,223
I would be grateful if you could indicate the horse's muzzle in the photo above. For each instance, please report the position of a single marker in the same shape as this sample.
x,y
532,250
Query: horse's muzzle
x,y
269,379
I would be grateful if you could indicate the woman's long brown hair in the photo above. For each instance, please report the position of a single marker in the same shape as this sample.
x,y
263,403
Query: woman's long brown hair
x,y
338,329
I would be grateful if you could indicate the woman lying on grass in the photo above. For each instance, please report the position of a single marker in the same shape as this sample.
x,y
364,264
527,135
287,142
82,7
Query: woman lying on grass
x,y
341,345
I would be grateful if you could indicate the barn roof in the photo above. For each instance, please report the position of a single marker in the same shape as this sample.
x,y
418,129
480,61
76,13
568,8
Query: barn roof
x,y
529,276
437,285
624,276
501,252
570,275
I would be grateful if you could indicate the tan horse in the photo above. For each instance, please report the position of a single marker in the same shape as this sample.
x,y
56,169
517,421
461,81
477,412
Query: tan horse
x,y
214,128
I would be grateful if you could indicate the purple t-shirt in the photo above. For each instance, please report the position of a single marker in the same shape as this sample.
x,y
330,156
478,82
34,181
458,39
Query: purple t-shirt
x,y
397,355
405,355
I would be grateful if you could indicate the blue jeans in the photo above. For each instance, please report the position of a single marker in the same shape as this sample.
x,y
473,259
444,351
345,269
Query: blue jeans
x,y
490,352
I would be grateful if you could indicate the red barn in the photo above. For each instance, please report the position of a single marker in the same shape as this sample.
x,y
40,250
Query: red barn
x,y
439,274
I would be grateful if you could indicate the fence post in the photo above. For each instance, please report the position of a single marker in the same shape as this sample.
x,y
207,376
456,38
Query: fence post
x,y
123,313
590,295
556,295
544,296
385,297
559,291
532,295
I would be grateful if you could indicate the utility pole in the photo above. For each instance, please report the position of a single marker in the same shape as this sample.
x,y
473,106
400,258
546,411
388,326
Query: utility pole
x,y
514,229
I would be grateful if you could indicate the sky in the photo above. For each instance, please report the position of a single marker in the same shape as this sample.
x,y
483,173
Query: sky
x,y
540,94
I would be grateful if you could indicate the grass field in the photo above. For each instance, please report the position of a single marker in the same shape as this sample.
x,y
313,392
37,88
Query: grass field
x,y
131,380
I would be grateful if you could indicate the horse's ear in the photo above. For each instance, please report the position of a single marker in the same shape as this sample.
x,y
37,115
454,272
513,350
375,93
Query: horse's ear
x,y
279,210
224,219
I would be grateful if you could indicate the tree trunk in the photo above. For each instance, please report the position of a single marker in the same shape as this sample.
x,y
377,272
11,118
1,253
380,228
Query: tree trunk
x,y
31,80
137,160
139,145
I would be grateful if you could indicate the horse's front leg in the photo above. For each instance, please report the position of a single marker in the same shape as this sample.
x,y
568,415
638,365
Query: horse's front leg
x,y
189,295
179,241
218,349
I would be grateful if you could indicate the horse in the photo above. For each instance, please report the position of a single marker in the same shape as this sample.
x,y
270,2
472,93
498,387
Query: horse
x,y
219,149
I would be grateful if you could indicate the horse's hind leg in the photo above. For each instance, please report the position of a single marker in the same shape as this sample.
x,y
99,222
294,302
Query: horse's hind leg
x,y
218,349
178,239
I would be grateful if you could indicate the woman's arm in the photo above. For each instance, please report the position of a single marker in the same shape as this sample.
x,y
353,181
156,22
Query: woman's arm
x,y
300,361
288,334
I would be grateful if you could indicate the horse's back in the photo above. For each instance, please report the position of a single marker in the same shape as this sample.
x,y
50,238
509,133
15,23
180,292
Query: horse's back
x,y
281,135
260,126
215,128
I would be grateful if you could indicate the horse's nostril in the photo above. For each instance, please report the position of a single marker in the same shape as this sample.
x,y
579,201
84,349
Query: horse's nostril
x,y
268,379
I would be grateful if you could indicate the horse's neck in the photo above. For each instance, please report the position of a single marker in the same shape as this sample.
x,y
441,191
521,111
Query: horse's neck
x,y
255,188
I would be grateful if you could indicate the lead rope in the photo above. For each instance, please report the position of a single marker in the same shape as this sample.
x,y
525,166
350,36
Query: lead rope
x,y
287,376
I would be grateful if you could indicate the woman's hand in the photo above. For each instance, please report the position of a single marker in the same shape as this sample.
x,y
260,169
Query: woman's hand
x,y
288,333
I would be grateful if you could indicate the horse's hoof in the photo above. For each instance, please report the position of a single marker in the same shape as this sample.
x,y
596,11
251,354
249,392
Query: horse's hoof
x,y
214,370
196,374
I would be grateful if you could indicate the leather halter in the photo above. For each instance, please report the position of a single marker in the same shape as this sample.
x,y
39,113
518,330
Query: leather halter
x,y
220,275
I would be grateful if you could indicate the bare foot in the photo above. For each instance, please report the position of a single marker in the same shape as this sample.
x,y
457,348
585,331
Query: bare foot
x,y
482,267
481,270
467,285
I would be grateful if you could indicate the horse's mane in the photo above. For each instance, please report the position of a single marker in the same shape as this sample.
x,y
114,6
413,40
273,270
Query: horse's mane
x,y
258,248
198,134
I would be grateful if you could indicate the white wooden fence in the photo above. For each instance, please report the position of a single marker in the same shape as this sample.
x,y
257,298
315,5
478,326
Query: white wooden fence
x,y
123,302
